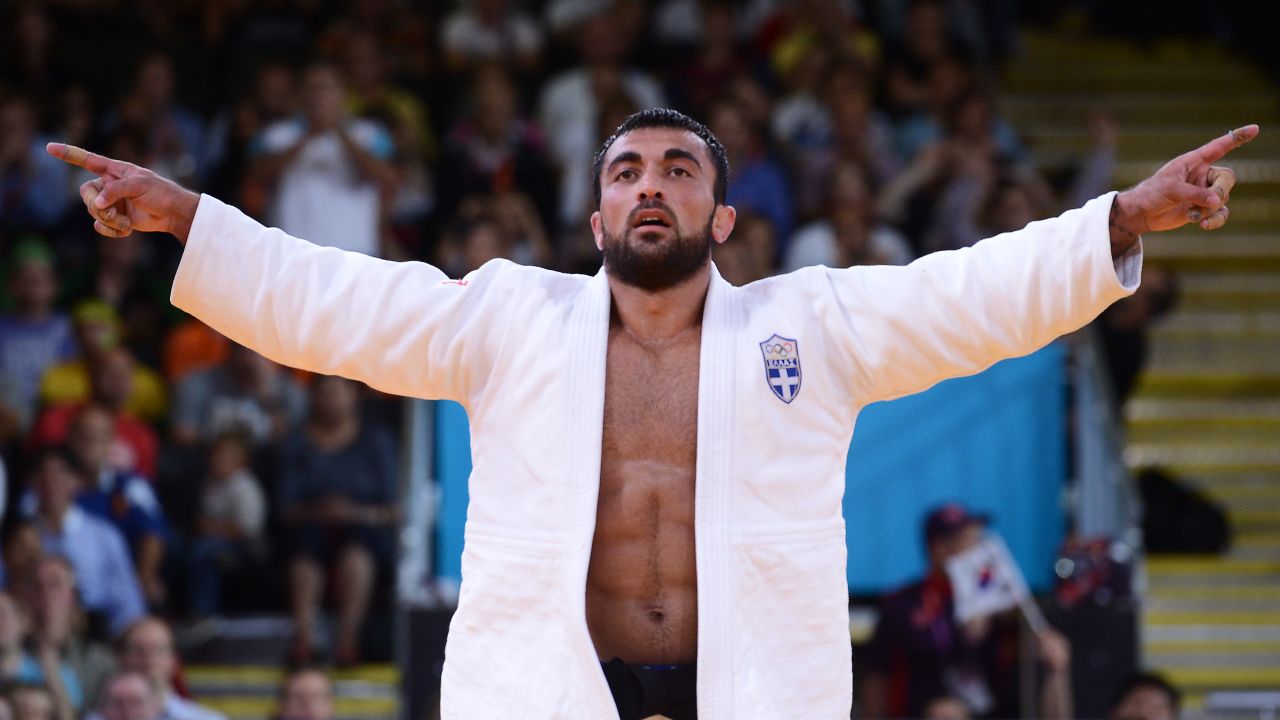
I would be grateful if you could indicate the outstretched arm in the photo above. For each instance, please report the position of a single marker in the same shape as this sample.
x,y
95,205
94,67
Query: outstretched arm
x,y
956,313
403,328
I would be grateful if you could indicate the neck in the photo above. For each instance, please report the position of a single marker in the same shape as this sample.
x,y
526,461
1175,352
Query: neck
x,y
53,518
656,317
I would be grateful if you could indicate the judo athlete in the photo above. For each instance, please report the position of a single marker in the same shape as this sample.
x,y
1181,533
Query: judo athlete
x,y
659,457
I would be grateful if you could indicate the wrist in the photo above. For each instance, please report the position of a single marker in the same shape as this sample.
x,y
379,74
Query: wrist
x,y
1126,226
183,215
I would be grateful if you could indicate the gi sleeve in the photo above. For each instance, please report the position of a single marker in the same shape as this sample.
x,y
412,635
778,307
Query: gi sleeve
x,y
403,328
954,313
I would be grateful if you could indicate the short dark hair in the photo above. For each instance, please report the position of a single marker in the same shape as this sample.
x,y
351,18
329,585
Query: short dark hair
x,y
667,118
1148,680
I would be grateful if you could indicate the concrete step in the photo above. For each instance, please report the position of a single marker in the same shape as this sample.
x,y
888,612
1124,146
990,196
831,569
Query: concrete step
x,y
1225,250
1259,456
1224,292
1147,412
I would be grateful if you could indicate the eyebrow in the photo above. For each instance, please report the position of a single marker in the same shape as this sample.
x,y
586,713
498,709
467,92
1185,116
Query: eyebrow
x,y
680,154
632,156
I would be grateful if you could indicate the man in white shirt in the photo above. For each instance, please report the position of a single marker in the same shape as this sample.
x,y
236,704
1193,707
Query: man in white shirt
x,y
597,402
329,170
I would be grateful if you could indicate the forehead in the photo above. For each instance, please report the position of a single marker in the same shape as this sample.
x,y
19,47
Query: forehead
x,y
653,142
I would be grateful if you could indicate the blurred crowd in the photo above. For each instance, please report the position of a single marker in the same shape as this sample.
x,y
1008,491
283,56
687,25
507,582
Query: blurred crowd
x,y
152,469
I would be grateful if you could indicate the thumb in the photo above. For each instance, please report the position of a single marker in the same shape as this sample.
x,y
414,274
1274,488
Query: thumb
x,y
126,188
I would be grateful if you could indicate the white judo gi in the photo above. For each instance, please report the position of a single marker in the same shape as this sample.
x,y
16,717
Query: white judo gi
x,y
786,365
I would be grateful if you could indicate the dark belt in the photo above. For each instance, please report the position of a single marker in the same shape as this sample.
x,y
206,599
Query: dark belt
x,y
643,690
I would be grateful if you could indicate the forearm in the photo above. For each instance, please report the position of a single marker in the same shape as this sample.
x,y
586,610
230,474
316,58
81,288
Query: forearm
x,y
1055,696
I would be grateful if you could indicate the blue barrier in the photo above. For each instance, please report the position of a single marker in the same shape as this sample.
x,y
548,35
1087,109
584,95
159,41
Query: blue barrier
x,y
995,440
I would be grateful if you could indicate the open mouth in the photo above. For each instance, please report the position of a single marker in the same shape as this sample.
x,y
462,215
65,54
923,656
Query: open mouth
x,y
651,219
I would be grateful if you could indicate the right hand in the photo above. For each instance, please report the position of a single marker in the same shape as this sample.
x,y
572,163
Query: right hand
x,y
125,197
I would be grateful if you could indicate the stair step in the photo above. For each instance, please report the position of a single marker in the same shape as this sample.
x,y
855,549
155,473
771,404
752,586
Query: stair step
x,y
1202,565
1147,411
253,708
1265,456
1207,659
1209,634
1209,678
1221,431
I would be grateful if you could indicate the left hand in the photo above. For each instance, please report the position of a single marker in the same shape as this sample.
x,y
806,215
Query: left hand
x,y
1189,188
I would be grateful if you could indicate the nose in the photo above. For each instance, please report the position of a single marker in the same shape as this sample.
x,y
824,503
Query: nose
x,y
649,189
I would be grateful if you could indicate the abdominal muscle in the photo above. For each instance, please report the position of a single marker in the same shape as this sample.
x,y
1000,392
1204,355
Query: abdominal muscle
x,y
642,595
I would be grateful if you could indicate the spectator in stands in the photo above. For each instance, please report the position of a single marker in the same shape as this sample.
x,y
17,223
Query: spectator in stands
x,y
305,694
248,392
110,387
849,233
104,572
129,695
56,621
230,525
44,667
337,497
273,97
147,648
33,335
172,136
1146,696
919,652
717,60
328,171
749,253
32,701
493,150
98,331
571,103
33,193
122,498
483,31
759,181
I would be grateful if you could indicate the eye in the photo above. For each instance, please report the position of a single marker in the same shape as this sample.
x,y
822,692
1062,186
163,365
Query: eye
x,y
681,171
625,175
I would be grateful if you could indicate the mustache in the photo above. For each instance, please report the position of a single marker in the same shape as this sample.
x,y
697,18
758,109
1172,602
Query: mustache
x,y
650,204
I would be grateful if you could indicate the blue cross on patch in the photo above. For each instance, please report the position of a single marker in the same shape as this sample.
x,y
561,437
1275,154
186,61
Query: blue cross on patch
x,y
782,367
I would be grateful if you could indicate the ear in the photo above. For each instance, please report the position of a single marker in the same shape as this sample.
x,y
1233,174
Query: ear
x,y
597,230
722,222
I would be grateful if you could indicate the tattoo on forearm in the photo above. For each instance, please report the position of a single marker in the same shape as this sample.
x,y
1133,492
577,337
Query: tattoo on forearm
x,y
1122,236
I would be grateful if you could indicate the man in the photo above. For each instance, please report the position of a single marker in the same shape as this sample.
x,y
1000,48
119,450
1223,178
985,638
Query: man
x,y
328,169
95,549
1146,696
50,601
111,380
920,656
123,499
595,402
305,694
128,696
147,648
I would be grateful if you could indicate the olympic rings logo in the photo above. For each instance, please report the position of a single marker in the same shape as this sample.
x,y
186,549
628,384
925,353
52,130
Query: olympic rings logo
x,y
780,349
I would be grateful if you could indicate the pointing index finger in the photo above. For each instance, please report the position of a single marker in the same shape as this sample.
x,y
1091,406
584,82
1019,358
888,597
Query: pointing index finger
x,y
1217,148
80,157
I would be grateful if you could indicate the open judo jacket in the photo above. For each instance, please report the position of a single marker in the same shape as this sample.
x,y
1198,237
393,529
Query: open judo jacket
x,y
786,364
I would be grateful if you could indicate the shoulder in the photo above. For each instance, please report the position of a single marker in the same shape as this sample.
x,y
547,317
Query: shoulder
x,y
280,134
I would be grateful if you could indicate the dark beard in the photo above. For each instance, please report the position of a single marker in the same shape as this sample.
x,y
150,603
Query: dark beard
x,y
627,259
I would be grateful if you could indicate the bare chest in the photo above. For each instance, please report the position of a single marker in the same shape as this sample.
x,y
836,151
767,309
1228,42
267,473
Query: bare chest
x,y
651,403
